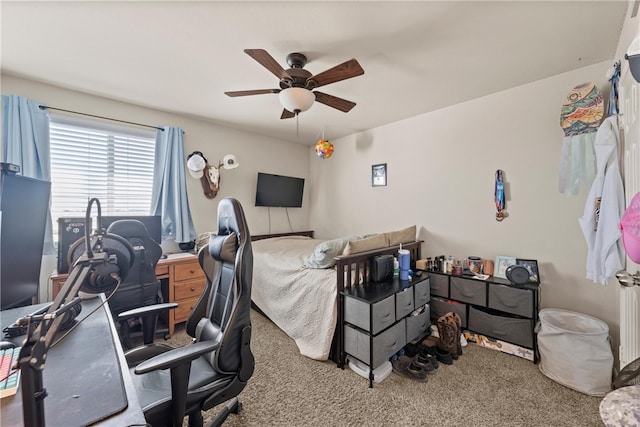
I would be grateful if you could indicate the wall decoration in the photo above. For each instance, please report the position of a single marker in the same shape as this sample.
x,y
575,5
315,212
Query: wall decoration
x,y
532,266
502,262
500,197
209,175
379,175
324,148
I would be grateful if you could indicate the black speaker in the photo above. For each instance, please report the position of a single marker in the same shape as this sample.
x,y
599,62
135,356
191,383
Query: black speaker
x,y
517,274
69,230
381,268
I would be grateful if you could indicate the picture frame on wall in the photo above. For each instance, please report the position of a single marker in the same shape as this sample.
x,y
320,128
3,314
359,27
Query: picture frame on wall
x,y
379,175
532,266
502,263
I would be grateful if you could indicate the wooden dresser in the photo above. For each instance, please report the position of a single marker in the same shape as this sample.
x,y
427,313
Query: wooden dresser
x,y
182,282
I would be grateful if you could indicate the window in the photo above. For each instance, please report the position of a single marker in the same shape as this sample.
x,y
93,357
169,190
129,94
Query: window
x,y
91,159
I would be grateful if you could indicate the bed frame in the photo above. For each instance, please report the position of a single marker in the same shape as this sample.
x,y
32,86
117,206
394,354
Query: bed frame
x,y
351,271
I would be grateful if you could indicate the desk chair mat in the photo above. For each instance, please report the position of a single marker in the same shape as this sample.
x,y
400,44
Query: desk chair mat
x,y
82,375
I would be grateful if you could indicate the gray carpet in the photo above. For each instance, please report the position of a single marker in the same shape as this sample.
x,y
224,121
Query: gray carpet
x,y
483,388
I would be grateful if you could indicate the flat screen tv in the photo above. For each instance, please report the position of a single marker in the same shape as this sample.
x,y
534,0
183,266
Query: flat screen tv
x,y
277,191
152,222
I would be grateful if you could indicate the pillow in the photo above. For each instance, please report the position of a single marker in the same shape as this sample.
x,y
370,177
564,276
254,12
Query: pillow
x,y
376,242
407,235
322,255
223,247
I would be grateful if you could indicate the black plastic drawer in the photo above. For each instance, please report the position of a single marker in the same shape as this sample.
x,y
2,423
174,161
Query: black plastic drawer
x,y
439,285
510,329
440,307
418,325
404,303
421,293
471,291
512,300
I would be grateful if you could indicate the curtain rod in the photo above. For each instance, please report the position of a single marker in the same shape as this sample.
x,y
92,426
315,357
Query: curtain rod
x,y
44,107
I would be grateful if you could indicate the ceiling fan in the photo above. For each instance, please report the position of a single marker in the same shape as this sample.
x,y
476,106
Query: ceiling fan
x,y
297,84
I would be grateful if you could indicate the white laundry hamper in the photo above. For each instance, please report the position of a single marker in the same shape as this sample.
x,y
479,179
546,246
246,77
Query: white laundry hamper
x,y
575,351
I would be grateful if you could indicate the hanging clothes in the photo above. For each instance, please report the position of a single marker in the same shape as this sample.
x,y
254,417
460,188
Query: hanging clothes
x,y
580,118
604,208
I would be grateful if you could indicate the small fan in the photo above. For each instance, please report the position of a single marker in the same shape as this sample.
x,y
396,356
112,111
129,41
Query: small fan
x,y
296,92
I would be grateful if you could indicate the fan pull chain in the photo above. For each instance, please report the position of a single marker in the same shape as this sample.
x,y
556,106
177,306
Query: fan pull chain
x,y
297,128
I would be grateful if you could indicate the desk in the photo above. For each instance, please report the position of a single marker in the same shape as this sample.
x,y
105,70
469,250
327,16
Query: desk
x,y
70,374
182,282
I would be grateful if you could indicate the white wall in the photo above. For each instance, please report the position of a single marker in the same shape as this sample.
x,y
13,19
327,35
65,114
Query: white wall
x,y
441,170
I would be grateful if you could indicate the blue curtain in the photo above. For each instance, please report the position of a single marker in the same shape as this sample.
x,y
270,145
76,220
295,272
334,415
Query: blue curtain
x,y
169,194
25,142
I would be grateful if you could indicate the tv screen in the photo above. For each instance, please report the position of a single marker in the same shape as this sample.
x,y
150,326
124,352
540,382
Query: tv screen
x,y
278,191
152,222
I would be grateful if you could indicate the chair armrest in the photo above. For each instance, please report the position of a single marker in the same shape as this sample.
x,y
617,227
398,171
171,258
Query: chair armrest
x,y
147,310
176,357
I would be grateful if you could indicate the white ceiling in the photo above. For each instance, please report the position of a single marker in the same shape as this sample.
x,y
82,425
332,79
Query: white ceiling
x,y
418,56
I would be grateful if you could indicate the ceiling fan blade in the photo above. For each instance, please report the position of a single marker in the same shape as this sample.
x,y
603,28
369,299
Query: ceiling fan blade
x,y
251,92
334,101
267,61
286,114
346,70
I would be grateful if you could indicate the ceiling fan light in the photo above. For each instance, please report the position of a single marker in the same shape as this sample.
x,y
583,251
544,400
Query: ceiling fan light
x,y
296,99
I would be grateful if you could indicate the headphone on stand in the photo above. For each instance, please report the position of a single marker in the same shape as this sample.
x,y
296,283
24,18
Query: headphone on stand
x,y
104,276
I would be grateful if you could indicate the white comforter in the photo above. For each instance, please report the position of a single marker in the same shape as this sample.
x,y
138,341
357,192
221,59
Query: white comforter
x,y
300,301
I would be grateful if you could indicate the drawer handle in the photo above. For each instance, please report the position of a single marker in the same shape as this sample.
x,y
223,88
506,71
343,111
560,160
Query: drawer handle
x,y
193,289
499,332
192,271
387,315
408,304
393,345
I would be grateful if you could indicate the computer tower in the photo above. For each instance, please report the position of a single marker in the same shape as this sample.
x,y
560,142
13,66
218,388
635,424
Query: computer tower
x,y
24,203
69,230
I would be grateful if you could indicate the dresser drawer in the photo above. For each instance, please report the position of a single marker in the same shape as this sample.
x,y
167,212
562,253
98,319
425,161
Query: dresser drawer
x,y
358,343
440,307
421,294
512,300
418,325
471,291
511,329
360,313
190,289
439,285
187,271
404,303
162,271
183,310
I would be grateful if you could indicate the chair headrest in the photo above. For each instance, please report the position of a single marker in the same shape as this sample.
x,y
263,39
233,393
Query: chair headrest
x,y
129,228
223,248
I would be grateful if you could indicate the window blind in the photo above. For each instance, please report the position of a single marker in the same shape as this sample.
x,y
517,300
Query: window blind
x,y
91,159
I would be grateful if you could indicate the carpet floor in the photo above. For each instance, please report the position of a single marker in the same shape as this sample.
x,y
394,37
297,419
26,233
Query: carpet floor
x,y
483,387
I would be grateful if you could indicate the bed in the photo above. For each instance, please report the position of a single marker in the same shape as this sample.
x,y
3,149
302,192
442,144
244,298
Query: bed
x,y
304,300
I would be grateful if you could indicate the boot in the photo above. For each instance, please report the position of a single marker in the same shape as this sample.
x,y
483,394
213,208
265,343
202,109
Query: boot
x,y
458,324
447,340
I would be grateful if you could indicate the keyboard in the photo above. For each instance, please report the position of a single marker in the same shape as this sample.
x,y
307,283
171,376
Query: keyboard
x,y
8,364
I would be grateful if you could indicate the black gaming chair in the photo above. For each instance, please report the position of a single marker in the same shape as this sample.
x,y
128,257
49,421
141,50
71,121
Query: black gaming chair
x,y
216,366
141,288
